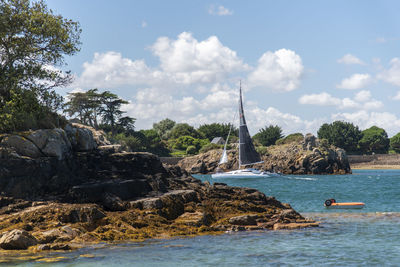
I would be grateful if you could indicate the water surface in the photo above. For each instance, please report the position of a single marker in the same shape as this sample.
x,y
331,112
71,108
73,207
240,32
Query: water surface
x,y
370,236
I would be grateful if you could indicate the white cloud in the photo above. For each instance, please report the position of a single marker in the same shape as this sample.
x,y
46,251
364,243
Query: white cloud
x,y
397,96
144,24
183,61
219,10
361,100
391,75
323,99
362,96
258,118
349,59
381,40
280,70
356,81
152,104
364,120
110,69
191,61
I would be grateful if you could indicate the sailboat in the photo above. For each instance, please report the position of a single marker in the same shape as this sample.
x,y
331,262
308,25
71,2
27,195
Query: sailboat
x,y
247,153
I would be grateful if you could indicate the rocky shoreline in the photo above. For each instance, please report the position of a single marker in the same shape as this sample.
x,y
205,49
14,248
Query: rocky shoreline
x,y
67,188
310,156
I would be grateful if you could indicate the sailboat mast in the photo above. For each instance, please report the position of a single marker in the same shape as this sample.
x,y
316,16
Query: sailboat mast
x,y
241,117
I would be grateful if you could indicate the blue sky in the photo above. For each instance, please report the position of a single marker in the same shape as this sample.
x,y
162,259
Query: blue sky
x,y
302,63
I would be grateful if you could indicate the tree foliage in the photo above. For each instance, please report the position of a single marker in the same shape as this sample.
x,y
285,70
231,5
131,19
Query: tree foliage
x,y
395,143
341,134
217,130
163,127
268,136
374,140
33,43
182,129
91,106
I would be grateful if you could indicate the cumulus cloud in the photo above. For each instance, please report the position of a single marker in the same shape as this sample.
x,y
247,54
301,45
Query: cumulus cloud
x,y
258,118
356,81
391,75
280,70
323,99
184,61
364,119
349,59
219,10
110,69
361,100
153,104
397,96
190,61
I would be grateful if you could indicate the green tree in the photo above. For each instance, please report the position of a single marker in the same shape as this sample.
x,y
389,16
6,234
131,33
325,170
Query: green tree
x,y
163,127
341,134
268,136
85,105
182,129
111,109
395,143
217,130
374,140
33,43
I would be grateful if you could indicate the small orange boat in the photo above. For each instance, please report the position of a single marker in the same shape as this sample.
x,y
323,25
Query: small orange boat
x,y
331,203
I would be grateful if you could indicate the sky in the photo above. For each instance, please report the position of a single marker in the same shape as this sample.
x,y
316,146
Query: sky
x,y
300,63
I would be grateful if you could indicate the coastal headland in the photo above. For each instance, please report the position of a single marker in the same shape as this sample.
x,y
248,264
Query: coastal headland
x,y
308,156
66,188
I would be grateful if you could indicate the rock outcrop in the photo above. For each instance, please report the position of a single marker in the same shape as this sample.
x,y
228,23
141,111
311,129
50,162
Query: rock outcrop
x,y
310,156
62,188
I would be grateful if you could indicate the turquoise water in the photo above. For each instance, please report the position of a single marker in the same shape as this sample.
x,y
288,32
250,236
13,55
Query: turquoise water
x,y
370,236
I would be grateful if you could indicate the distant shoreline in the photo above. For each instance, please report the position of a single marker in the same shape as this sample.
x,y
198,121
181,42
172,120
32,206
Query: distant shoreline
x,y
374,167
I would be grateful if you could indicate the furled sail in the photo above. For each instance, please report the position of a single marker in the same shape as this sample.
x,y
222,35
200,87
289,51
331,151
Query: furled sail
x,y
224,158
247,152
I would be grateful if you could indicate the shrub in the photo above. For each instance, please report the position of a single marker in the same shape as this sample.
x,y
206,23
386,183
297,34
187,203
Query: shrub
x,y
191,150
295,137
209,147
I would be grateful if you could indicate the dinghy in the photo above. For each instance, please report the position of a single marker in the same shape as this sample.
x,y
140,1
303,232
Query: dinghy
x,y
332,204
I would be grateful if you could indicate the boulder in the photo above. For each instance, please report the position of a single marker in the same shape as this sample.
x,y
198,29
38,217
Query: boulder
x,y
21,146
51,142
81,138
244,220
98,135
17,239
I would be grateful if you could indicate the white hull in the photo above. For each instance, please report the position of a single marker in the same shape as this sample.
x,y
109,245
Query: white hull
x,y
246,173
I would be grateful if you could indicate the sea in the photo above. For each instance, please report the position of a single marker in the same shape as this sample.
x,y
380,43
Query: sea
x,y
366,237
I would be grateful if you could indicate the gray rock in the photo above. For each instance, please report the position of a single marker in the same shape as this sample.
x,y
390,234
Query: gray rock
x,y
51,142
81,138
244,220
17,239
22,146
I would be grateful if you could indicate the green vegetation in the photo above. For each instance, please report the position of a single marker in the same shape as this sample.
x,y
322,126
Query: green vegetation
x,y
341,134
210,131
374,140
395,143
295,137
268,136
33,43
